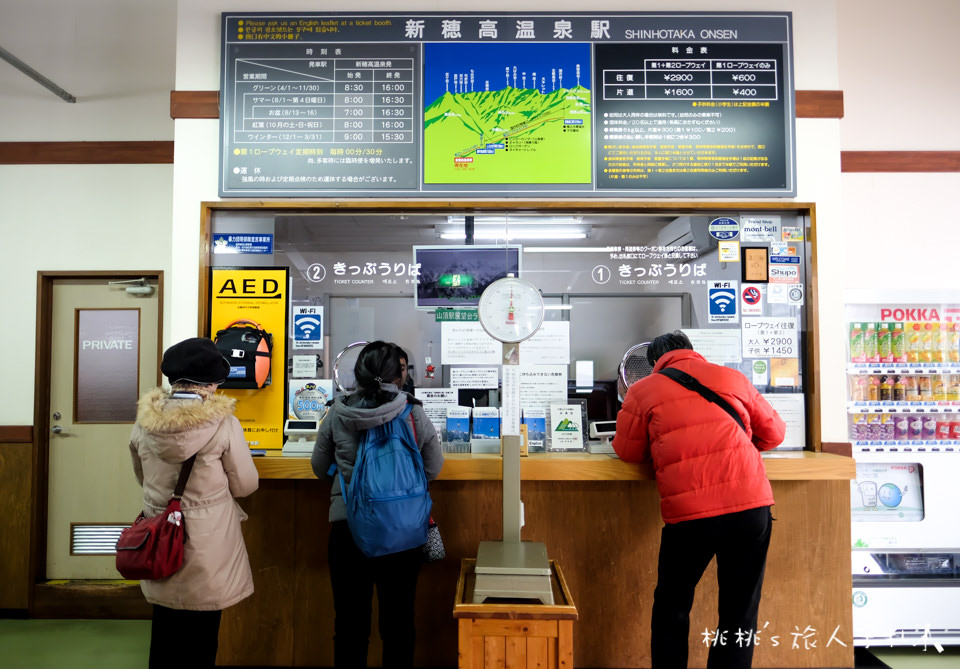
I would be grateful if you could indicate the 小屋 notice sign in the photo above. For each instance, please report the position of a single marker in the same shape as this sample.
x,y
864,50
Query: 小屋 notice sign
x,y
597,104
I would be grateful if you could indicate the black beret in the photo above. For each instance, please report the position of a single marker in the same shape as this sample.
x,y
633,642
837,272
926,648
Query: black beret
x,y
197,360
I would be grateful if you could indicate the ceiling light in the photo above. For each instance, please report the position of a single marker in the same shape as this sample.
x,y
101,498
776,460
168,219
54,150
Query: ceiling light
x,y
509,234
518,220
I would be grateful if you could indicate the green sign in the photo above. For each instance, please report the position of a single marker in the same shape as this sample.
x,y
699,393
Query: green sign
x,y
446,315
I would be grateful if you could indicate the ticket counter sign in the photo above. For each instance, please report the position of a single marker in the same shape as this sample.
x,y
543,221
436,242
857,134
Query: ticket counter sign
x,y
258,295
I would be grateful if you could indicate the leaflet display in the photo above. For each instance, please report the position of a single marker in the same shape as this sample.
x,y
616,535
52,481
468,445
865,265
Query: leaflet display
x,y
440,104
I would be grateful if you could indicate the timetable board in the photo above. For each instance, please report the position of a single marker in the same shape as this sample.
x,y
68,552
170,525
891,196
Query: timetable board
x,y
610,104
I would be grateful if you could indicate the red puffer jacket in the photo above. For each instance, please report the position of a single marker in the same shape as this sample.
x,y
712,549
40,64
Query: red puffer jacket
x,y
705,464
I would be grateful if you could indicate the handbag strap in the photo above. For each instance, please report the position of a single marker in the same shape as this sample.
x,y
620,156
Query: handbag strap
x,y
693,384
184,475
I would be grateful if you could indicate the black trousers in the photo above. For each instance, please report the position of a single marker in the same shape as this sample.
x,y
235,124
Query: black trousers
x,y
739,541
353,577
182,639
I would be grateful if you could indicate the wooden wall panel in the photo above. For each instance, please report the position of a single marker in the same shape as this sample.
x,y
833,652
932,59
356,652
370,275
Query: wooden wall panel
x,y
603,534
260,629
900,161
85,153
16,474
206,104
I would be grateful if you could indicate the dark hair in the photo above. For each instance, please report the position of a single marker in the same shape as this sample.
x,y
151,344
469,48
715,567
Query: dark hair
x,y
378,363
402,354
665,343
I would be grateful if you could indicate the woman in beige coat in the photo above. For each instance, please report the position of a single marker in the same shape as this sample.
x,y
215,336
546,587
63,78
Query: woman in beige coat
x,y
172,426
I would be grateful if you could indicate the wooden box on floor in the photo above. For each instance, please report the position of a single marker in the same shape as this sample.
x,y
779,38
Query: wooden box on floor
x,y
514,633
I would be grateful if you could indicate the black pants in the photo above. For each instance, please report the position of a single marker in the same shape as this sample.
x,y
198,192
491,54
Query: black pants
x,y
180,638
740,541
353,577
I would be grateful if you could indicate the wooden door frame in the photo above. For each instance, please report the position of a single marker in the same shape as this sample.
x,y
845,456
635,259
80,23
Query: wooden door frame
x,y
41,402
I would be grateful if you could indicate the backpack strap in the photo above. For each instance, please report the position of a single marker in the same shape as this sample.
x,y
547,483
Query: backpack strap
x,y
693,384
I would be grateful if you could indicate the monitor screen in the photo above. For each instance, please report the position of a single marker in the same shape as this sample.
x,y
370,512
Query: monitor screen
x,y
456,276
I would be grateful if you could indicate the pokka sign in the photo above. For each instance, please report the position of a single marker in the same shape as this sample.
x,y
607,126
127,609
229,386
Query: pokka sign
x,y
920,314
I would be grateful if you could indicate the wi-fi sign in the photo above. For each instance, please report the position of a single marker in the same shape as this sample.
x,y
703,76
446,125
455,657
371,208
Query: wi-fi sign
x,y
307,327
723,304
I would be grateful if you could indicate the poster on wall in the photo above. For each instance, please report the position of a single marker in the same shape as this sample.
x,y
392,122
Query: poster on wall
x,y
256,300
607,104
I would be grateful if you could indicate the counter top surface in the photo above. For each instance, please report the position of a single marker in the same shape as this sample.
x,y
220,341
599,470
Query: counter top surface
x,y
781,466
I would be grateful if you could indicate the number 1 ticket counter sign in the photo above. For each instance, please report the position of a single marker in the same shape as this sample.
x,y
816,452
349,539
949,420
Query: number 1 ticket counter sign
x,y
524,104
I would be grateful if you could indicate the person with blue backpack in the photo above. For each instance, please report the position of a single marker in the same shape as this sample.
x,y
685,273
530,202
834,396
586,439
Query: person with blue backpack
x,y
381,451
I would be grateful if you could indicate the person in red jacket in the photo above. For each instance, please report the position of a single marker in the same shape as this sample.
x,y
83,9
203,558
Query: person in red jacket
x,y
715,498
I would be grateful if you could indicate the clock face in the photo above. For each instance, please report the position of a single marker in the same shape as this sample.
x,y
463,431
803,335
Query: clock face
x,y
510,309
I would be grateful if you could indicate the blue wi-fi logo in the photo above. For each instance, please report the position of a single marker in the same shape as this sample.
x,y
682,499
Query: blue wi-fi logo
x,y
307,325
723,301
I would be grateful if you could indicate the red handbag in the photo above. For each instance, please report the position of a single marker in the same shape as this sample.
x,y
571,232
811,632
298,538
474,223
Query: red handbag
x,y
152,548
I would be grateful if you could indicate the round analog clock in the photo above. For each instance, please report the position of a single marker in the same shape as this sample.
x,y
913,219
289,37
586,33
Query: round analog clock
x,y
510,309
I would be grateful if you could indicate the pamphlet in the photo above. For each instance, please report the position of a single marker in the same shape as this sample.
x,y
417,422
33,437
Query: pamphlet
x,y
485,436
536,422
456,435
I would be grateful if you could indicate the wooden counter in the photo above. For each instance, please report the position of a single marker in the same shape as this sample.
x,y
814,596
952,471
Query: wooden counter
x,y
781,466
598,517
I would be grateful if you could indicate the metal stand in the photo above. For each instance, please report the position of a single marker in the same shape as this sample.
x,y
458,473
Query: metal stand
x,y
512,568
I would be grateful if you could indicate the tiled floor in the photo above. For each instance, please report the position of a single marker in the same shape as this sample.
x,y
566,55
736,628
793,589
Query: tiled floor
x,y
123,644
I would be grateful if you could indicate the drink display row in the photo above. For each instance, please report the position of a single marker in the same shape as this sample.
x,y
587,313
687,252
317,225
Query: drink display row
x,y
908,342
904,387
905,427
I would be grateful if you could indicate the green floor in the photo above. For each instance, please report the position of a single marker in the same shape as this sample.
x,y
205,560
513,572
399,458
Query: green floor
x,y
123,644
74,644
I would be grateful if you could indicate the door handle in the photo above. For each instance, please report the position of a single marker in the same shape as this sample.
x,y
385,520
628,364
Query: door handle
x,y
56,429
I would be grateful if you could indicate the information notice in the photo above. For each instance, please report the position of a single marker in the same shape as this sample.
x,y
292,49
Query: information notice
x,y
599,104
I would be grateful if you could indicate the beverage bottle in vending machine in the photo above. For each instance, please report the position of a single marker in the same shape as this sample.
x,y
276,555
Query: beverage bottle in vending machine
x,y
901,426
943,428
915,430
899,390
953,342
939,388
926,343
929,430
912,390
913,342
885,392
898,343
871,343
857,352
885,342
953,387
936,345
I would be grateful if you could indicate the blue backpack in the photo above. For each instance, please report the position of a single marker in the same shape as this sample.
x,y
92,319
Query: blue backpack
x,y
388,504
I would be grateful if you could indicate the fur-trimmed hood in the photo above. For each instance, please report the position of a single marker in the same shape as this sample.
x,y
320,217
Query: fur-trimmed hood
x,y
177,427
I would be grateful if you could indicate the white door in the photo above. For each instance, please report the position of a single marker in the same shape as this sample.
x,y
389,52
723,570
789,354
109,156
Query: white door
x,y
104,350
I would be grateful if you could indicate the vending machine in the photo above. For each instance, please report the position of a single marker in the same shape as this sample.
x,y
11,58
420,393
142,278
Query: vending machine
x,y
903,412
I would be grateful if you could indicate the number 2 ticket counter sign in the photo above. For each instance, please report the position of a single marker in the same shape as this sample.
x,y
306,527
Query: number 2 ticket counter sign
x,y
523,104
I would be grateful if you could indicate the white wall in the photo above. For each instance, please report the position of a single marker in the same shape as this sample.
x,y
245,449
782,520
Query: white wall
x,y
117,56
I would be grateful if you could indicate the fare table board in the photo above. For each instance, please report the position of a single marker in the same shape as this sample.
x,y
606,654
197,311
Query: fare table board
x,y
525,104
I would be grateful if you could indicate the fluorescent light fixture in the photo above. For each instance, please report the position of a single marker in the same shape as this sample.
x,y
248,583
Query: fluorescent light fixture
x,y
507,228
569,249
509,234
517,220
